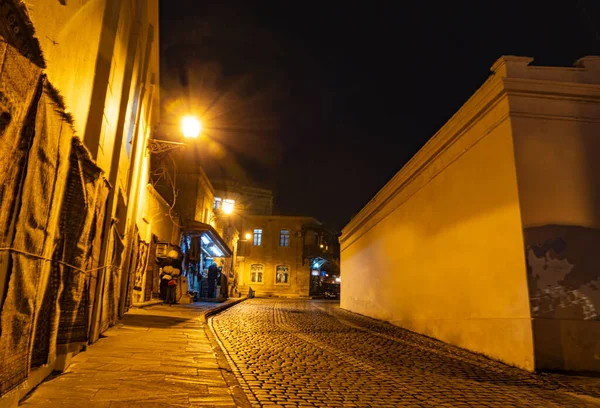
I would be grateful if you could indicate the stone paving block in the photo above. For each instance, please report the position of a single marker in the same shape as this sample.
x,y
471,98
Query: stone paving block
x,y
296,351
62,403
142,362
148,404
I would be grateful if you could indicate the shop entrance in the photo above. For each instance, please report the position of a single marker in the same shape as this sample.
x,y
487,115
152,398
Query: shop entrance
x,y
205,255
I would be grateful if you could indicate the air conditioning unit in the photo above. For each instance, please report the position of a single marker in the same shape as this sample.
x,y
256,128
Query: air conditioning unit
x,y
162,249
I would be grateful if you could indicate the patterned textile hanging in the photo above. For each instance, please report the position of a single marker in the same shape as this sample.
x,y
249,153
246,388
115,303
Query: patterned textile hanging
x,y
20,92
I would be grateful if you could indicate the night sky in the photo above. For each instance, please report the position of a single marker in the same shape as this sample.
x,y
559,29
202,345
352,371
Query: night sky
x,y
325,101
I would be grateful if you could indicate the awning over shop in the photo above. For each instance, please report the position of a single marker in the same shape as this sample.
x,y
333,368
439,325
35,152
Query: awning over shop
x,y
210,237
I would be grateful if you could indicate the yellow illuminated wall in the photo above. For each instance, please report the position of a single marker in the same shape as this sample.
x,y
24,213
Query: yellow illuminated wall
x,y
496,213
447,259
69,36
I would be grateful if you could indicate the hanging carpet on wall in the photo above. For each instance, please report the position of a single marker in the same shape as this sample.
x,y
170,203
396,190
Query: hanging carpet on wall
x,y
20,91
81,224
112,280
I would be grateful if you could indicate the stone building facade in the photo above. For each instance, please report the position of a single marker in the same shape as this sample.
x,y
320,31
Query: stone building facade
x,y
277,255
486,238
271,255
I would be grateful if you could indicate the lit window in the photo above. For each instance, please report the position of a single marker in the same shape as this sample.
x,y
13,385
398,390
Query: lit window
x,y
256,273
257,237
228,206
284,238
283,274
217,203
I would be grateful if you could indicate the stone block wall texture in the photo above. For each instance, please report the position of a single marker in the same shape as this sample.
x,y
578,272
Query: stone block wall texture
x,y
270,255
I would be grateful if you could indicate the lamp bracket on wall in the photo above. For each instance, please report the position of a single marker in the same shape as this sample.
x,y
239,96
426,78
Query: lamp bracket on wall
x,y
157,146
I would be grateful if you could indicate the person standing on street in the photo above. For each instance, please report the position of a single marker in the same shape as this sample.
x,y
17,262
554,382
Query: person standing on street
x,y
213,272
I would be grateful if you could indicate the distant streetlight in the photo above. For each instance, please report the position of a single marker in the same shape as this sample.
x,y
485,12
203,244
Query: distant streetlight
x,y
248,235
191,127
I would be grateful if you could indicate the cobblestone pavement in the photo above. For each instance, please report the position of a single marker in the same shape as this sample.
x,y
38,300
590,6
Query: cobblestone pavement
x,y
312,353
156,357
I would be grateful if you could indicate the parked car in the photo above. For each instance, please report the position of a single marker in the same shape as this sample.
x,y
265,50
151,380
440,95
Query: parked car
x,y
331,291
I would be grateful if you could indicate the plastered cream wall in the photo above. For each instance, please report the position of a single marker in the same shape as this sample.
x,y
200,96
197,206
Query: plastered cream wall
x,y
439,249
90,48
69,36
555,115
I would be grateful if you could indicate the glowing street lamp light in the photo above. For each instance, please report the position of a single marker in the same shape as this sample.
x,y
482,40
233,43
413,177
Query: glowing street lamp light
x,y
228,206
191,127
248,235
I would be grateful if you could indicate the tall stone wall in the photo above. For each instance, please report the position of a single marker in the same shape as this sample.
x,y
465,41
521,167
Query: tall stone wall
x,y
486,238
440,250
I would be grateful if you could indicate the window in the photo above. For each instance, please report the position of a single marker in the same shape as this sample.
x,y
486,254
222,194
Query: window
x,y
256,273
282,274
284,238
217,203
257,237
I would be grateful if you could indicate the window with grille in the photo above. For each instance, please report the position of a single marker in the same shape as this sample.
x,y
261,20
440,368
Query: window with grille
x,y
282,274
256,273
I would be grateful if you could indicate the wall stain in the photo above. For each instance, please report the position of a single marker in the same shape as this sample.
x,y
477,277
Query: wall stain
x,y
563,270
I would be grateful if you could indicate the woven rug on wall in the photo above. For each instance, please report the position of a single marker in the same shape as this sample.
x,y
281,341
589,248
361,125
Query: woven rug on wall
x,y
52,142
20,90
112,281
140,269
152,279
83,217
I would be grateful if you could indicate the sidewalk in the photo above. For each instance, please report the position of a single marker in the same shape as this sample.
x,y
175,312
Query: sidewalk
x,y
157,356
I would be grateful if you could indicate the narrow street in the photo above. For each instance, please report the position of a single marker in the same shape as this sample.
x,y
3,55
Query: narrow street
x,y
312,353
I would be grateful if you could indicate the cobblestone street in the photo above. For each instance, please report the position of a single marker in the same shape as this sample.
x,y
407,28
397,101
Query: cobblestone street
x,y
312,353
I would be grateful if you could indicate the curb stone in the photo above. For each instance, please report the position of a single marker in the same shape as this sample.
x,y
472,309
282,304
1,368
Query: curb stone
x,y
237,392
222,307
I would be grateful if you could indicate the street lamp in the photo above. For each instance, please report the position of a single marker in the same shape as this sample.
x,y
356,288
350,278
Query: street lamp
x,y
228,206
190,128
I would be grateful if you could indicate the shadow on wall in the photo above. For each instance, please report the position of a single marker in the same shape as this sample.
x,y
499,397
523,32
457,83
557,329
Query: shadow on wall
x,y
563,270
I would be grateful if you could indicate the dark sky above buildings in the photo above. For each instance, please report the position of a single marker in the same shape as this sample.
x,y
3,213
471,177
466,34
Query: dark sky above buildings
x,y
325,101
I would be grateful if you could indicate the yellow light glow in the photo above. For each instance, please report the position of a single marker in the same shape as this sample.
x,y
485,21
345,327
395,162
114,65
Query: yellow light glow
x,y
228,206
191,127
321,245
248,235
